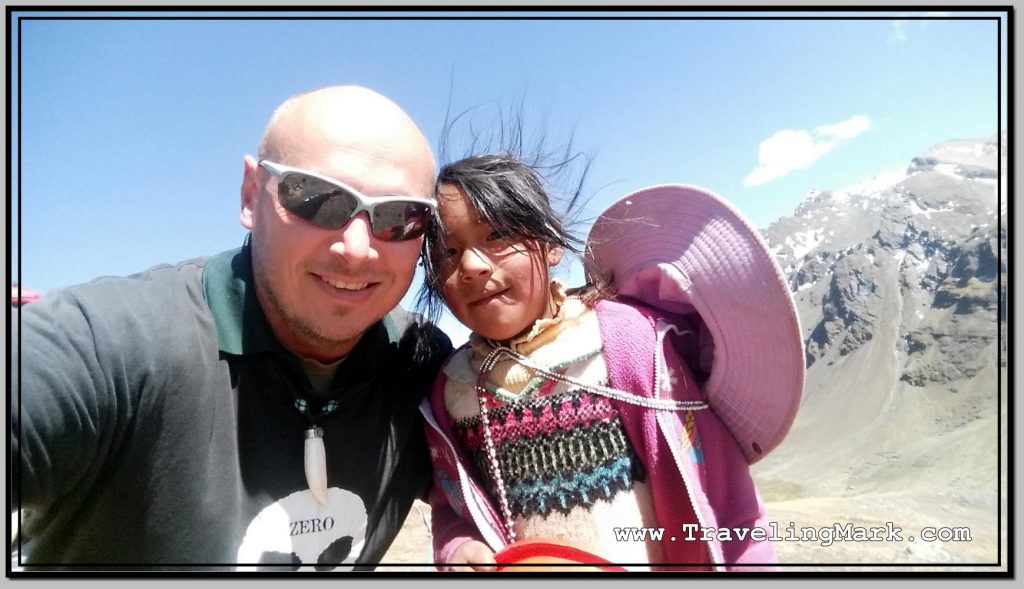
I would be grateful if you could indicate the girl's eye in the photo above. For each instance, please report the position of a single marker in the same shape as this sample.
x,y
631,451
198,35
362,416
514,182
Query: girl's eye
x,y
448,253
495,236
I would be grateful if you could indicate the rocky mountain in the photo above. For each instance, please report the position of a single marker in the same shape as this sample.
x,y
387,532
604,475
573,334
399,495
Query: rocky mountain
x,y
898,282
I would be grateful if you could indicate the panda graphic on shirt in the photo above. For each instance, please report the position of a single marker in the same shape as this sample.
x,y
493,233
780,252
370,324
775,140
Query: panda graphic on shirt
x,y
299,531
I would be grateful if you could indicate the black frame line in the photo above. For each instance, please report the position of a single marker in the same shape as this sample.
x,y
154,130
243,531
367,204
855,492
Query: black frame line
x,y
148,570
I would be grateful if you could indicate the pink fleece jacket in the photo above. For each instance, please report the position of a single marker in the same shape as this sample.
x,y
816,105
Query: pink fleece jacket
x,y
700,481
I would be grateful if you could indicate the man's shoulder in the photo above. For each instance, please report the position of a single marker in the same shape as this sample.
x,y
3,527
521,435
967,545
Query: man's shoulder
x,y
159,300
165,286
123,323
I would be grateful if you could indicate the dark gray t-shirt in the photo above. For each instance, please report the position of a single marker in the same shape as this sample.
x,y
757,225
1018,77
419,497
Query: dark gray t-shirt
x,y
154,424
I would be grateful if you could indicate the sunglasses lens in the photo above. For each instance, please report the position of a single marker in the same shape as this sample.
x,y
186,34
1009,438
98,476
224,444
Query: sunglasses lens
x,y
316,201
398,221
330,206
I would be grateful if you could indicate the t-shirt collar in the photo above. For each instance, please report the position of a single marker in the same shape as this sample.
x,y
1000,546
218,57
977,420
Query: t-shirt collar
x,y
242,327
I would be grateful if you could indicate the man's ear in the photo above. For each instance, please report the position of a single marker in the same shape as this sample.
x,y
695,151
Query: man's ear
x,y
555,255
250,190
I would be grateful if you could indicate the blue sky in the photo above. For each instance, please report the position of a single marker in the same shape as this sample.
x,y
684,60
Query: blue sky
x,y
132,131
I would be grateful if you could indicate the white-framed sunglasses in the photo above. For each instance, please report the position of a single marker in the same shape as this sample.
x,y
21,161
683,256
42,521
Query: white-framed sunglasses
x,y
331,204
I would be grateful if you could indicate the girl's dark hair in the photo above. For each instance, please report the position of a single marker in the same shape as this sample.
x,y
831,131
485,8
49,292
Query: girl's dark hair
x,y
510,186
509,195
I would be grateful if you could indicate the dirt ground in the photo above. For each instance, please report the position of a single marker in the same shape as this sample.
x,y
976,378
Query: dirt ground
x,y
411,550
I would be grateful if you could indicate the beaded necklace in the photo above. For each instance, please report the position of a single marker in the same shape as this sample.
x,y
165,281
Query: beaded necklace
x,y
491,452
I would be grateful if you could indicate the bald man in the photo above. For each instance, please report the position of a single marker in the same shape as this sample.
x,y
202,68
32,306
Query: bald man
x,y
255,410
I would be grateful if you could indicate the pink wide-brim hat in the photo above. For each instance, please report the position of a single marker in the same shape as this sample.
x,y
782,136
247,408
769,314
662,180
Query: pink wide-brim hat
x,y
686,250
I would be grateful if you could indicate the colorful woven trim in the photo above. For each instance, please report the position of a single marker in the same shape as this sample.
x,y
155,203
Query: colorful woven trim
x,y
562,493
537,416
556,452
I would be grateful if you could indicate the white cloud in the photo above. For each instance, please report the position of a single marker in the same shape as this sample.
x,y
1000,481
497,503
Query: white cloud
x,y
796,149
898,34
847,129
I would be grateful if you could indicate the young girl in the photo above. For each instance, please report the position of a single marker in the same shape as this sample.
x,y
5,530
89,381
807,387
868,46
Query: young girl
x,y
616,431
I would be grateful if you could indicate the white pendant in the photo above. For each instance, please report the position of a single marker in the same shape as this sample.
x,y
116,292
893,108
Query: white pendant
x,y
316,464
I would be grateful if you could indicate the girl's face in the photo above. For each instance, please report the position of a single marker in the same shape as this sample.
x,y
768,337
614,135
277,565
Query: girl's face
x,y
494,286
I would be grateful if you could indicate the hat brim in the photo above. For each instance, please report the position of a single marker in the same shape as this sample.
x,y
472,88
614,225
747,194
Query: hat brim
x,y
681,247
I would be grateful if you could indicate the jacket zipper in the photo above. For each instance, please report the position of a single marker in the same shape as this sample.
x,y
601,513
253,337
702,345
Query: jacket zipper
x,y
493,538
661,329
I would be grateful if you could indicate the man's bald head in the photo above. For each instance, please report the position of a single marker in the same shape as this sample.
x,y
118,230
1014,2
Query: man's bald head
x,y
339,118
